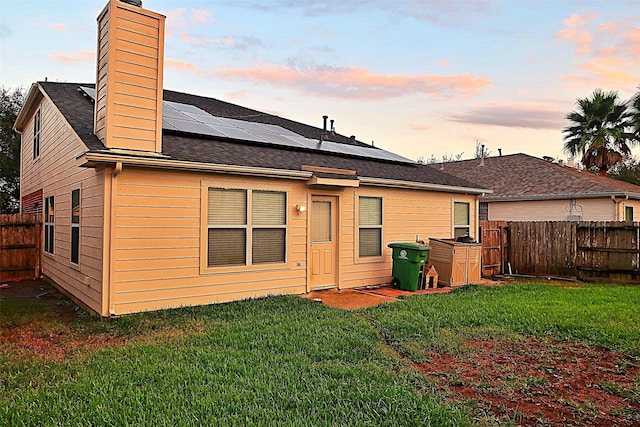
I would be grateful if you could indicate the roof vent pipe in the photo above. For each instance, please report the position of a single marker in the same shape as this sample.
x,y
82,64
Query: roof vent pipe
x,y
333,129
324,123
482,155
500,152
133,2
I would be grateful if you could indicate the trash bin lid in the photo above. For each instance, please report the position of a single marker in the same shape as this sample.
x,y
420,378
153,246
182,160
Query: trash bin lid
x,y
409,245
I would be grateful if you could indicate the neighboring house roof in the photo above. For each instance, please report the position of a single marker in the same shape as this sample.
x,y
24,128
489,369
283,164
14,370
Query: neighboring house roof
x,y
181,147
524,177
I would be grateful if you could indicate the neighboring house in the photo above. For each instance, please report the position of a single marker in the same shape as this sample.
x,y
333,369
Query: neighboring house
x,y
151,204
527,188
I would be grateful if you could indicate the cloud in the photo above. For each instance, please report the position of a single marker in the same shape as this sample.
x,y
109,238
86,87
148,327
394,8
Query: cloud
x,y
434,11
513,115
238,95
80,56
355,82
577,32
58,27
418,127
202,16
179,65
609,60
443,63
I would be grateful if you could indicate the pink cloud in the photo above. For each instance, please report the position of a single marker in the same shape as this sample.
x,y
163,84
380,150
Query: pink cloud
x,y
179,65
419,128
60,27
357,82
610,60
238,95
443,63
80,56
577,32
201,16
193,40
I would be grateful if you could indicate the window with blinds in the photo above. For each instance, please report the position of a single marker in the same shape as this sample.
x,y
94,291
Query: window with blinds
x,y
461,219
269,223
369,226
320,221
227,223
245,224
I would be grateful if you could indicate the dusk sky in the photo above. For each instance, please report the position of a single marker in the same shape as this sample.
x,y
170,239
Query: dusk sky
x,y
419,78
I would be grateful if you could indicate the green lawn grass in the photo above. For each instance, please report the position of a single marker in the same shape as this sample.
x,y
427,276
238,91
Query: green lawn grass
x,y
290,361
599,314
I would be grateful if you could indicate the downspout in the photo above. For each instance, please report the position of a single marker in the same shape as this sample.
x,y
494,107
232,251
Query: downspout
x,y
117,170
477,216
616,206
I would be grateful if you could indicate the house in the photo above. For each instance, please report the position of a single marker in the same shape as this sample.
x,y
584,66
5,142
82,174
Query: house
x,y
154,199
527,188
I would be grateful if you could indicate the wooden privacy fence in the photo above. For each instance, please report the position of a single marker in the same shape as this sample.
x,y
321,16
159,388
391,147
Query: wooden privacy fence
x,y
20,237
587,250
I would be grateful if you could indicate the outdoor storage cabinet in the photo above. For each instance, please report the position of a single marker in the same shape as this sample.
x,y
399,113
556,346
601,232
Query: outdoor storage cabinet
x,y
409,259
457,263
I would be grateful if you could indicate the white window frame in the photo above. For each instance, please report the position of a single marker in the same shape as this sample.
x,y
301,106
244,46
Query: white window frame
x,y
370,227
49,225
75,226
248,228
37,124
460,226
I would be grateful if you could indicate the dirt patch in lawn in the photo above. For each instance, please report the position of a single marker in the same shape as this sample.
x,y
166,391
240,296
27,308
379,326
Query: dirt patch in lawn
x,y
533,382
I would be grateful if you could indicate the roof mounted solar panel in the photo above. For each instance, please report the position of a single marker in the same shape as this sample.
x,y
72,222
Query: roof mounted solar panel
x,y
193,120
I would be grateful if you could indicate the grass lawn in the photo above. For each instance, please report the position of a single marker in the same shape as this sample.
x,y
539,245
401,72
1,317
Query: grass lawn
x,y
290,361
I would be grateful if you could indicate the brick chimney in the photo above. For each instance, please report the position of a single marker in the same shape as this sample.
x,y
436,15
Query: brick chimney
x,y
128,107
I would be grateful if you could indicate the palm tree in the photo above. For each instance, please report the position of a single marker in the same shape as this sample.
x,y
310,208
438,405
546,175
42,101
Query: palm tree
x,y
600,131
635,111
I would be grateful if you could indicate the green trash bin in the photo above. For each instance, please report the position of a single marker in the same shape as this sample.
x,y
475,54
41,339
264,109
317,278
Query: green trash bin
x,y
409,259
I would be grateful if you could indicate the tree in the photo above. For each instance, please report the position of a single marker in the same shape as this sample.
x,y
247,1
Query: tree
x,y
446,158
635,113
628,171
10,103
600,131
482,152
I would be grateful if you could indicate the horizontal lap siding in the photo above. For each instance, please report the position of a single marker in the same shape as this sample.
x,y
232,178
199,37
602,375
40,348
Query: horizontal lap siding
x,y
406,213
602,209
56,173
158,237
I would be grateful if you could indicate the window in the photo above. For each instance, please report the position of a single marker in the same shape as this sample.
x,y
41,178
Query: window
x,y
628,213
370,226
461,223
75,226
269,220
231,226
48,224
36,134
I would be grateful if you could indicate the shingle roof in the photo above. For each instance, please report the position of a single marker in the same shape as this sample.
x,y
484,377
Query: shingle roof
x,y
78,110
520,176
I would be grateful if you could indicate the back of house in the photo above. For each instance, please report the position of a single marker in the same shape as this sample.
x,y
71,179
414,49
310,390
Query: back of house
x,y
154,199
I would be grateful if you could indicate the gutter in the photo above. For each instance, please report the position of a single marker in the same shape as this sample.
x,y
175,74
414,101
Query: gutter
x,y
612,194
92,159
383,182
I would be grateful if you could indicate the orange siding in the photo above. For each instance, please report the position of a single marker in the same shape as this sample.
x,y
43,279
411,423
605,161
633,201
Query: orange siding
x,y
159,245
56,173
129,89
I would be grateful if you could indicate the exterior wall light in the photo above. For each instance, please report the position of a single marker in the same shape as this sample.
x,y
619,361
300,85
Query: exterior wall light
x,y
301,208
